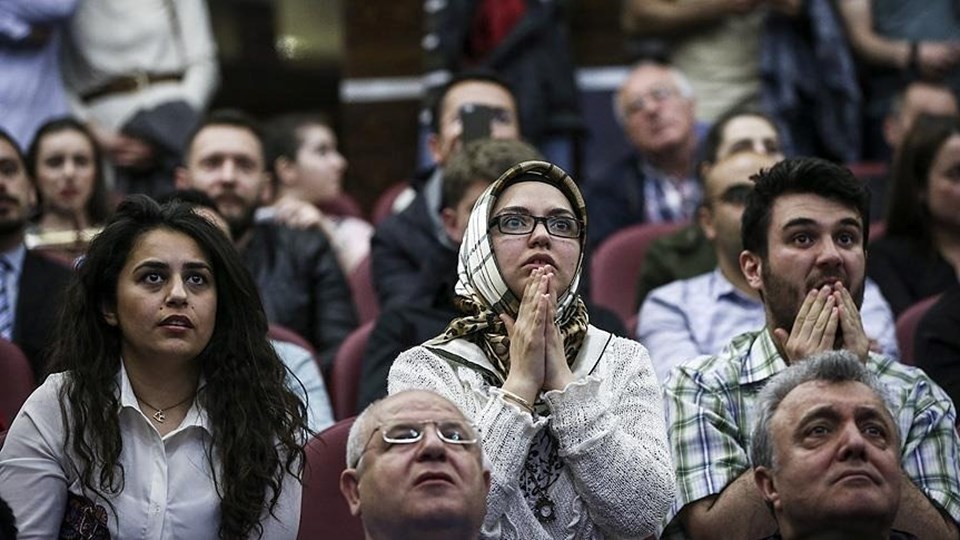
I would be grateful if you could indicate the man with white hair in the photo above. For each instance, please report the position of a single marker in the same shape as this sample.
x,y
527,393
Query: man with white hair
x,y
415,469
656,181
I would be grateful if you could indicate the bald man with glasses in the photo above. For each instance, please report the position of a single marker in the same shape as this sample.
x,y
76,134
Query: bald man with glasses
x,y
415,469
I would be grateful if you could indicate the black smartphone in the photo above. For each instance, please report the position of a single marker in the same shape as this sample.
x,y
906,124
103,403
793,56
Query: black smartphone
x,y
475,119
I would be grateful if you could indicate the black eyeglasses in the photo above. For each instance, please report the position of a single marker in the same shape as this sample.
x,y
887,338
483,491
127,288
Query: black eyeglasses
x,y
561,226
454,431
736,194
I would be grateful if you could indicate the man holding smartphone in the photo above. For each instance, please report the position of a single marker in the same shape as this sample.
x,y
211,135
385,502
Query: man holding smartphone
x,y
473,105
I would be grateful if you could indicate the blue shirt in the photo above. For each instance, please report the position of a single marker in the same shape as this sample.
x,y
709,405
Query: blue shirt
x,y
31,89
699,316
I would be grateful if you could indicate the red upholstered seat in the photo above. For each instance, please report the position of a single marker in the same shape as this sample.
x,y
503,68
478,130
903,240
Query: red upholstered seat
x,y
907,327
616,264
16,381
324,512
384,205
364,294
344,383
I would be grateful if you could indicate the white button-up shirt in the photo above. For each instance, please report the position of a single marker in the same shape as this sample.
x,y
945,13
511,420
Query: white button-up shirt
x,y
168,490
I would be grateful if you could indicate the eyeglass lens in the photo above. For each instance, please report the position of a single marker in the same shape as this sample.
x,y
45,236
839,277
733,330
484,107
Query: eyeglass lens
x,y
449,431
562,226
736,194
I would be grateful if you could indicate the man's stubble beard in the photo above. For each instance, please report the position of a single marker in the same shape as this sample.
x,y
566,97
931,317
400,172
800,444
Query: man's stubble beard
x,y
783,299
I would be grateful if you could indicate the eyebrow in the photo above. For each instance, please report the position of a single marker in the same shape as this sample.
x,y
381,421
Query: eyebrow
x,y
160,265
10,160
807,222
827,411
523,210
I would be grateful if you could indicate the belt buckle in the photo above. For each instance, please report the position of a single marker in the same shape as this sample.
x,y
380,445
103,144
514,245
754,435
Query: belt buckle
x,y
141,81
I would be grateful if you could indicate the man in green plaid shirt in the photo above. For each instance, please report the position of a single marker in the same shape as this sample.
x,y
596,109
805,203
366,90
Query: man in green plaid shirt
x,y
803,237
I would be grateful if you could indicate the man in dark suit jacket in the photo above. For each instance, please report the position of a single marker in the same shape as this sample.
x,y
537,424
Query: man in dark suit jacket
x,y
33,281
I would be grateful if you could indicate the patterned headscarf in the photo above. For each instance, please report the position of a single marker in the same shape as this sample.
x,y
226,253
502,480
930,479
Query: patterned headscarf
x,y
482,293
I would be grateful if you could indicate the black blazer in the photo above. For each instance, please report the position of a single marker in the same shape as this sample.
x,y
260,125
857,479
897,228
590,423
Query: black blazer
x,y
42,284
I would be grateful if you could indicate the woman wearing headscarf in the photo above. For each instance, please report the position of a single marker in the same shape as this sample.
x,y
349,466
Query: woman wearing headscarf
x,y
571,416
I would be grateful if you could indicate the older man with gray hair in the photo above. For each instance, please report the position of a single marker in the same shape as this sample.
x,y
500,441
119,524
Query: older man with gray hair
x,y
656,181
415,469
826,451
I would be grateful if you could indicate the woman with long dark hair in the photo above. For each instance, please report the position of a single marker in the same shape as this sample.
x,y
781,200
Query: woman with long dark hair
x,y
66,166
167,415
919,254
570,415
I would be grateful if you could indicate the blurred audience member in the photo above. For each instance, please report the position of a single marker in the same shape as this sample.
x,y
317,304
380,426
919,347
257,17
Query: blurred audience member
x,y
407,244
31,89
525,43
826,451
141,74
716,43
916,98
656,181
296,270
937,342
65,164
308,168
919,254
898,40
687,253
31,285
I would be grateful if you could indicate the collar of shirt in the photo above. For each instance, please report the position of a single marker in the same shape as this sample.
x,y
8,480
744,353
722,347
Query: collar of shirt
x,y
433,195
15,257
761,360
196,416
668,198
722,288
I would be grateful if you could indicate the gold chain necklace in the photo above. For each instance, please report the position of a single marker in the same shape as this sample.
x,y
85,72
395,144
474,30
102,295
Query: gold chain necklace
x,y
159,416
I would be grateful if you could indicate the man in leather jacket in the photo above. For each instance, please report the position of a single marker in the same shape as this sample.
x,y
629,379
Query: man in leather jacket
x,y
300,282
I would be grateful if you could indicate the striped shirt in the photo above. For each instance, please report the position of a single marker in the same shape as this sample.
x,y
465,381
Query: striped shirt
x,y
710,404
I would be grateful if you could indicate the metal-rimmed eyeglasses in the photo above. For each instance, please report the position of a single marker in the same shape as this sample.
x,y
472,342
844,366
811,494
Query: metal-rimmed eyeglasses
x,y
560,226
736,195
657,95
450,431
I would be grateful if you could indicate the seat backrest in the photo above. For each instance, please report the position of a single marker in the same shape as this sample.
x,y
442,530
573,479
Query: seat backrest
x,y
16,380
282,333
344,381
324,512
615,266
342,205
384,205
907,327
364,294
